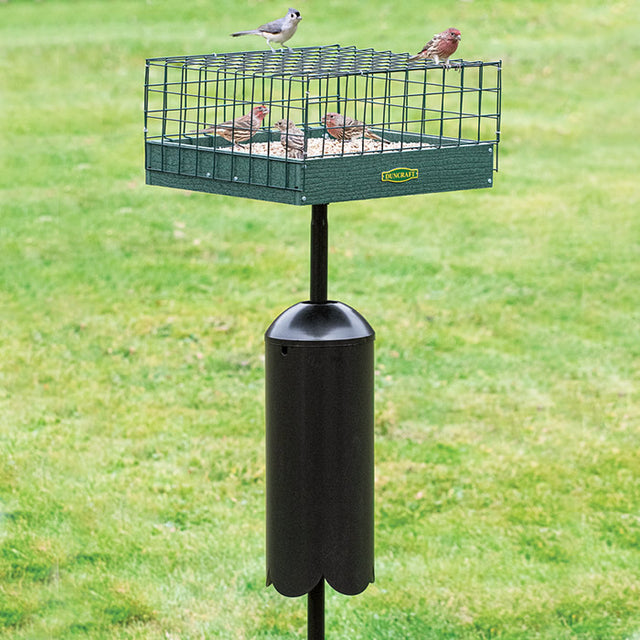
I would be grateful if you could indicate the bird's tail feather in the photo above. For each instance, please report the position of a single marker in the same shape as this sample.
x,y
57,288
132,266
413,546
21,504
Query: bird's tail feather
x,y
244,33
373,136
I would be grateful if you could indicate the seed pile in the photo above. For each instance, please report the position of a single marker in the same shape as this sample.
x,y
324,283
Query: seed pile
x,y
317,147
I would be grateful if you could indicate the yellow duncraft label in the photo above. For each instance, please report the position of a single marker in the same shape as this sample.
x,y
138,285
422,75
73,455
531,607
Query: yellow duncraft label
x,y
400,174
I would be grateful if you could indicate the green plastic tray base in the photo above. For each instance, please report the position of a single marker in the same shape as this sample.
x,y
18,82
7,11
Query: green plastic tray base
x,y
195,165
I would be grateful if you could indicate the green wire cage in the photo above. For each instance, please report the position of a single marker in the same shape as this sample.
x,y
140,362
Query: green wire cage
x,y
433,129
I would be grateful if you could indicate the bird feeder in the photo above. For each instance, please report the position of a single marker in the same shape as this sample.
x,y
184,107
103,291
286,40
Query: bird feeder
x,y
439,127
420,128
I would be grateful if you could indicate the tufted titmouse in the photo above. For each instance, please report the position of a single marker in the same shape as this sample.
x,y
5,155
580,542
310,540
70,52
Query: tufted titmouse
x,y
279,30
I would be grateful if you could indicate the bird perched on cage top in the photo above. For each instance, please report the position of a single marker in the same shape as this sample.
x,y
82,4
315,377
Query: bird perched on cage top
x,y
291,138
241,129
440,48
279,30
346,128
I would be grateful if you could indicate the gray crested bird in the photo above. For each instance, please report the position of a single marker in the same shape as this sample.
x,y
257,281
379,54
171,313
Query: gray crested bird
x,y
279,30
291,138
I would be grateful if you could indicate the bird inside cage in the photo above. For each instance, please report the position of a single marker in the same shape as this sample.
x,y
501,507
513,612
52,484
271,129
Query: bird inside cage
x,y
240,130
291,138
346,128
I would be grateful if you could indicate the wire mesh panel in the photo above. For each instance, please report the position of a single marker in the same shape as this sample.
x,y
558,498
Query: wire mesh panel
x,y
299,126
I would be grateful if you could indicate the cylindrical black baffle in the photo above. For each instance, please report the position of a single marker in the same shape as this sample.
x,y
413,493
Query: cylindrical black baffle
x,y
319,449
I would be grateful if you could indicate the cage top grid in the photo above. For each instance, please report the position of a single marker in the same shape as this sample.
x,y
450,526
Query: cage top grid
x,y
311,62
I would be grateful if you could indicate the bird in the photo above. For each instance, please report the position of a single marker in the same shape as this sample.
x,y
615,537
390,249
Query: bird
x,y
346,128
291,138
440,48
241,129
279,30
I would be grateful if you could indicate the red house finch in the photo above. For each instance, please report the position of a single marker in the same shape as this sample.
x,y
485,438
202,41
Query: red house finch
x,y
346,128
241,129
441,47
279,30
291,138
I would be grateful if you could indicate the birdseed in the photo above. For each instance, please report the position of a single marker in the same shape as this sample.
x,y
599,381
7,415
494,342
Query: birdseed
x,y
318,147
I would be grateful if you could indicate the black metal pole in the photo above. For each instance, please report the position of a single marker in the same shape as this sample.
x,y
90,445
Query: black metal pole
x,y
319,243
315,612
318,294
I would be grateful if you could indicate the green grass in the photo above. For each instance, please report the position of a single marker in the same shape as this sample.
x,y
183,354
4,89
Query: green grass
x,y
507,353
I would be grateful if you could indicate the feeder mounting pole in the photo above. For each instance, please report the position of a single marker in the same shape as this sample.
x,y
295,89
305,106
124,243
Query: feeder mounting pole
x,y
319,244
318,294
315,612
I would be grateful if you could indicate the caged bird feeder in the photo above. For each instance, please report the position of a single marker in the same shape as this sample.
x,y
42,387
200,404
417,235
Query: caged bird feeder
x,y
439,127
368,124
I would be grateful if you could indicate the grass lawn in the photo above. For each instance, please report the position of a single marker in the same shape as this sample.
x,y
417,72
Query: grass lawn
x,y
131,341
